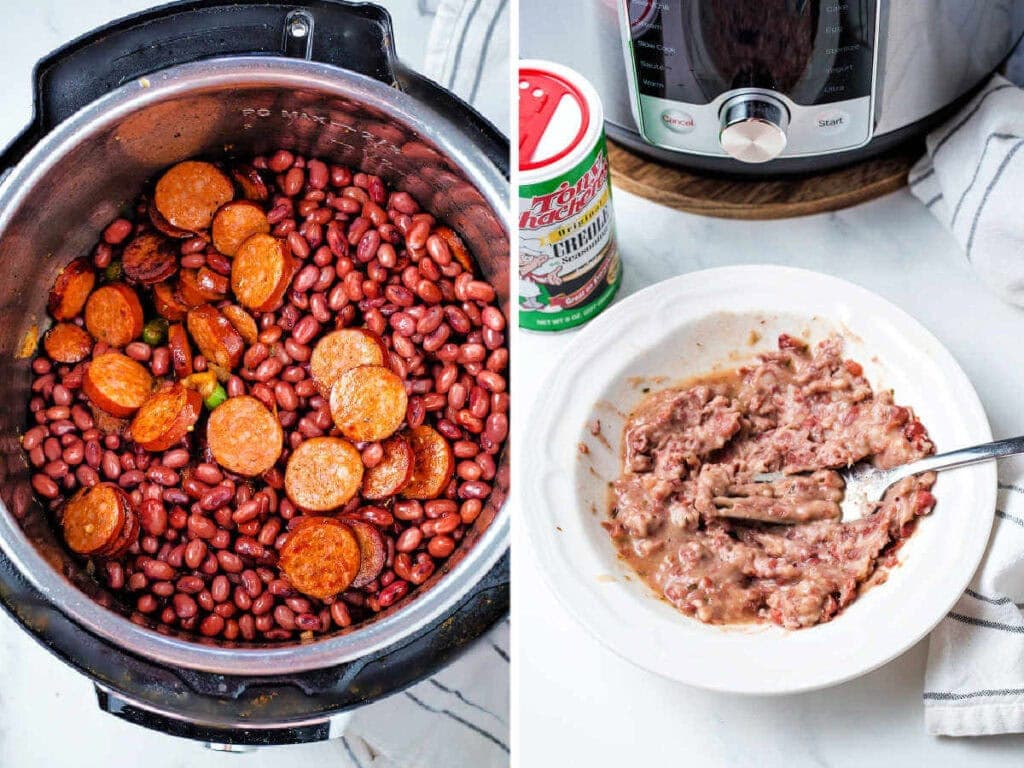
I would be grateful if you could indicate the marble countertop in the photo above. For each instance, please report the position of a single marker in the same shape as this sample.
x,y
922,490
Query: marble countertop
x,y
581,704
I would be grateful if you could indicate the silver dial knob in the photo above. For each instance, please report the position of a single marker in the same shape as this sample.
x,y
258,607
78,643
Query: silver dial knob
x,y
754,127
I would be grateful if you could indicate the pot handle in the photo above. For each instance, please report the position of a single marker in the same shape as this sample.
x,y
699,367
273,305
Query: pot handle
x,y
239,739
355,36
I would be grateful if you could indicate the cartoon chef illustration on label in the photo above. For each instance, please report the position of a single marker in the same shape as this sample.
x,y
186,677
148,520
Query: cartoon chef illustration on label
x,y
537,271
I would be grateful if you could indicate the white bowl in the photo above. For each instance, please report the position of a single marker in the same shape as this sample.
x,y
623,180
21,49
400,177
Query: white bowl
x,y
688,326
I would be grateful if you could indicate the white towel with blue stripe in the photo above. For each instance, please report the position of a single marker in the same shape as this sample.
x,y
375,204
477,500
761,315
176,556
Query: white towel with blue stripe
x,y
972,180
974,683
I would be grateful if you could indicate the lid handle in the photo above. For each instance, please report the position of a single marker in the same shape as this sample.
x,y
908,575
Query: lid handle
x,y
355,36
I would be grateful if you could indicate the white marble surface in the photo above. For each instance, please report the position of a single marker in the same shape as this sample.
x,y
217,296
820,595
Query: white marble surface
x,y
48,713
580,704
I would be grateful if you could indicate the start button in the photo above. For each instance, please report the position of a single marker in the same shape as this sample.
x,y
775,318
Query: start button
x,y
677,121
832,121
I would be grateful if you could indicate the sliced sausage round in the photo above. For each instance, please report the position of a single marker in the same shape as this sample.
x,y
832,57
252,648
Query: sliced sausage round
x,y
181,357
261,272
181,350
67,343
113,315
433,466
189,194
368,403
323,473
166,417
95,519
372,550
160,224
149,258
235,223
117,384
342,350
457,247
243,322
321,557
167,303
251,183
71,289
215,336
243,436
392,473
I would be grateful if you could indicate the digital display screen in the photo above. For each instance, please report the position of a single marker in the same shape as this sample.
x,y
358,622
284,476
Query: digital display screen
x,y
813,51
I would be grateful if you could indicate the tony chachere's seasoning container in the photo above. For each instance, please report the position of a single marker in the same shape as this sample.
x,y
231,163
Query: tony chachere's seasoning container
x,y
568,261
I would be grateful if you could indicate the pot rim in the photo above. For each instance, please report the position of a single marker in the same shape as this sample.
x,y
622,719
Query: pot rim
x,y
429,123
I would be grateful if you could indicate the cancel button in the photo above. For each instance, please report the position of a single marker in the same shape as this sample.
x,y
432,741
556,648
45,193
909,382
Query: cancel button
x,y
832,121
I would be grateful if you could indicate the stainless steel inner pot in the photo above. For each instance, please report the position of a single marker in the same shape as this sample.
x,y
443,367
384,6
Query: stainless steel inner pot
x,y
56,201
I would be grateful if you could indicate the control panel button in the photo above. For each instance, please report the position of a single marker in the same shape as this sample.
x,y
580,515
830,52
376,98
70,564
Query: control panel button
x,y
831,121
677,121
753,127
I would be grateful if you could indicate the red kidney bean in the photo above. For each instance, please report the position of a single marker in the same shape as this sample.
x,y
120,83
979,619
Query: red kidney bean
x,y
408,510
216,497
45,486
441,546
281,161
184,606
409,540
211,626
230,562
208,473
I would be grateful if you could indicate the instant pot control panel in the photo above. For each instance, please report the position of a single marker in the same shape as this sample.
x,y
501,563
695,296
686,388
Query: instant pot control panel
x,y
752,79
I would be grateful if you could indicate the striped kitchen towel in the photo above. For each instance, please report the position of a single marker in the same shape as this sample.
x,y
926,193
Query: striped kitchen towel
x,y
972,180
974,683
468,53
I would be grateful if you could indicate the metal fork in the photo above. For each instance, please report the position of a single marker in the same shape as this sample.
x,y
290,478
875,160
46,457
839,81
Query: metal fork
x,y
865,484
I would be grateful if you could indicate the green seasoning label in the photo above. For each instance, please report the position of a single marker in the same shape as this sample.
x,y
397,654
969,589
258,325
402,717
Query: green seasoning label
x,y
568,261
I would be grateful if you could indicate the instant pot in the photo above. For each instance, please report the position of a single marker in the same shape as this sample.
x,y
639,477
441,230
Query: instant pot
x,y
112,109
756,87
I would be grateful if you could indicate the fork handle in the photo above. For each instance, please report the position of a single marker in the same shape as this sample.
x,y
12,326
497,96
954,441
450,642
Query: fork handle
x,y
962,457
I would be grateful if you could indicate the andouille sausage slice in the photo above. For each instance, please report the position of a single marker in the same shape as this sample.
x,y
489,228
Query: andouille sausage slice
x,y
251,183
166,417
113,314
67,343
342,350
243,436
181,350
163,225
71,289
368,403
189,194
215,336
320,557
243,322
117,384
94,520
323,473
196,286
372,550
167,303
457,247
261,272
149,258
235,223
392,473
128,536
434,464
